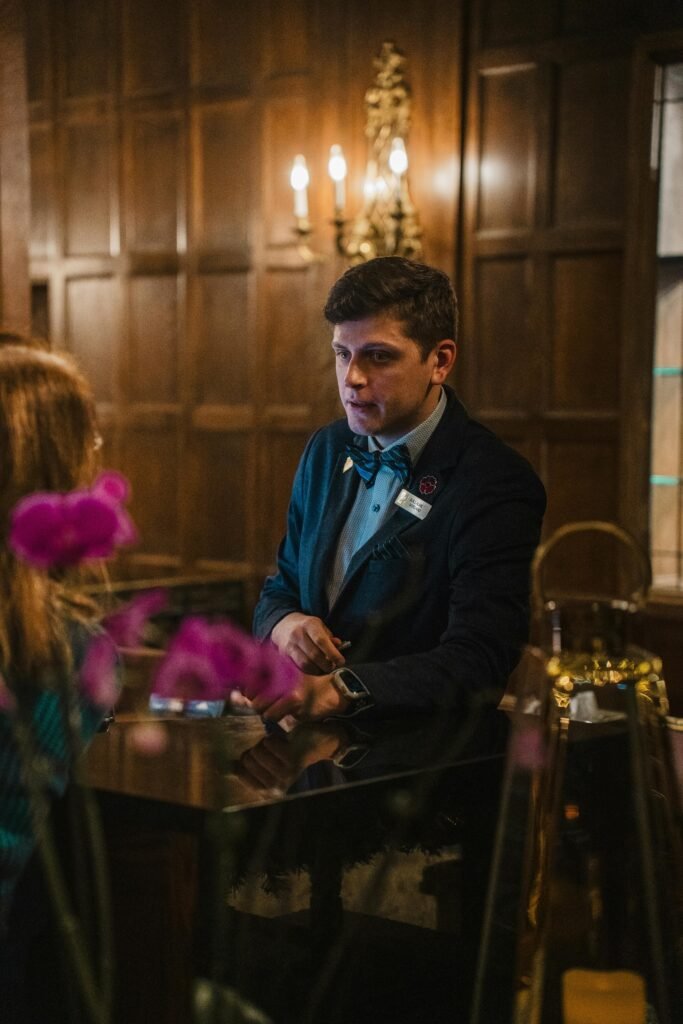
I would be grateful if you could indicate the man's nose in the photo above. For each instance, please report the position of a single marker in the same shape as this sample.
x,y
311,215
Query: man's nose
x,y
354,376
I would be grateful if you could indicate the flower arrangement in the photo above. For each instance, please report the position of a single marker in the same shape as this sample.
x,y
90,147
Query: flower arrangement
x,y
205,660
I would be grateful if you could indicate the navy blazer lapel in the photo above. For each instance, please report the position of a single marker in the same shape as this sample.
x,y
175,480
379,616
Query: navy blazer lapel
x,y
340,496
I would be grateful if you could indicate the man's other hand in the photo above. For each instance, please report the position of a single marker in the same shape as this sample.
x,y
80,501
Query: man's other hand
x,y
308,642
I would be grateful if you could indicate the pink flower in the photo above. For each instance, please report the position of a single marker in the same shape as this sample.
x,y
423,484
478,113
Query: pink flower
x,y
98,677
148,738
50,529
271,675
126,625
207,661
195,667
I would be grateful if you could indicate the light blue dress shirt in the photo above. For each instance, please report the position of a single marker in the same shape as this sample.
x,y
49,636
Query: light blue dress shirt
x,y
374,505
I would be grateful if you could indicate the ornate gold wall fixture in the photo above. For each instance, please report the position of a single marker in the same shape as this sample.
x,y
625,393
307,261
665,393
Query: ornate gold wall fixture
x,y
388,223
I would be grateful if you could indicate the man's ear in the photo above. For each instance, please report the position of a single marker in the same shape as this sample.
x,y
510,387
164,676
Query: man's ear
x,y
446,352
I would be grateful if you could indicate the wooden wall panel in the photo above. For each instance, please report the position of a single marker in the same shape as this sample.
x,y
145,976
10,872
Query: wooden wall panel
x,y
93,331
87,56
224,51
155,155
222,484
287,36
150,461
506,162
289,347
153,45
42,197
586,331
152,370
592,123
39,48
224,179
225,338
508,372
507,22
88,166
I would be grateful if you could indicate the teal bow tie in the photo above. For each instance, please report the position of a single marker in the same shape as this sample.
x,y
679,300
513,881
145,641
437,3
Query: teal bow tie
x,y
396,459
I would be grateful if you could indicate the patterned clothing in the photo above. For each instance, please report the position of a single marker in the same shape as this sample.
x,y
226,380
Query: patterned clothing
x,y
16,831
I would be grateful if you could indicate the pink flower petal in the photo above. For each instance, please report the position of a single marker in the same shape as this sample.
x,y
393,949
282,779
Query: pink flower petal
x,y
126,626
98,676
112,487
148,738
272,676
49,529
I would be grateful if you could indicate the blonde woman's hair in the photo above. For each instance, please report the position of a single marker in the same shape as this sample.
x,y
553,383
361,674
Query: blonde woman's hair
x,y
48,438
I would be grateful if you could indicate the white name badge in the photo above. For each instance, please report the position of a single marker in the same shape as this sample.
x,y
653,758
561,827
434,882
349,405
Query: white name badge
x,y
411,503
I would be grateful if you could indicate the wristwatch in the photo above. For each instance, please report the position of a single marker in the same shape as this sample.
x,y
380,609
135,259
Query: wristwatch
x,y
348,685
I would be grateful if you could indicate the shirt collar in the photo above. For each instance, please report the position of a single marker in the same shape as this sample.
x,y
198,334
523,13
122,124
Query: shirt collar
x,y
416,439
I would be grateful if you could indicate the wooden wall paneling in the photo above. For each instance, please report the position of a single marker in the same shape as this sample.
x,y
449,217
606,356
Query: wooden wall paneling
x,y
89,178
507,23
149,458
93,332
286,36
225,340
15,306
39,66
223,179
592,129
582,479
154,154
585,349
289,340
506,159
151,373
220,472
507,365
42,238
87,65
154,46
224,50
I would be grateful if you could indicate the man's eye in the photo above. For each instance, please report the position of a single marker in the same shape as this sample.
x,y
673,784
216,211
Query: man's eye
x,y
342,356
380,357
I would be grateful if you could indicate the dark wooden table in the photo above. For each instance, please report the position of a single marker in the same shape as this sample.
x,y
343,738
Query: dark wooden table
x,y
324,875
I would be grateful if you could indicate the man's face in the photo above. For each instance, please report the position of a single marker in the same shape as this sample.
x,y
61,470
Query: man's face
x,y
385,386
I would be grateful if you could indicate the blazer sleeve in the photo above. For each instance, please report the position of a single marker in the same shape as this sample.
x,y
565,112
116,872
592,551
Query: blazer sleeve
x,y
281,593
491,542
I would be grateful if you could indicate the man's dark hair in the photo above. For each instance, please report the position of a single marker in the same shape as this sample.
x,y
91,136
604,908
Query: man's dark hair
x,y
421,298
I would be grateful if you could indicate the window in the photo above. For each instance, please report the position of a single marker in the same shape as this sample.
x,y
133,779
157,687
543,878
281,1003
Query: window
x,y
666,462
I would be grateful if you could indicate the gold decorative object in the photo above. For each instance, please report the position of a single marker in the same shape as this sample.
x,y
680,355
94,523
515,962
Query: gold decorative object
x,y
388,223
584,921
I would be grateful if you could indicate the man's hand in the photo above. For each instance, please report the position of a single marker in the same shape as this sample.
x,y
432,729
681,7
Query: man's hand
x,y
312,698
308,642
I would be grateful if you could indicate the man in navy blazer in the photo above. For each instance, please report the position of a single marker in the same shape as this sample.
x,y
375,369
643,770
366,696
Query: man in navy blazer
x,y
402,583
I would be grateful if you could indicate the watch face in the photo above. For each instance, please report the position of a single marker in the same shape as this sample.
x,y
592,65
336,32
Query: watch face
x,y
349,685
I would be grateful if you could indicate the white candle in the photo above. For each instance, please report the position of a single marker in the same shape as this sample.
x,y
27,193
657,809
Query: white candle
x,y
337,171
299,179
398,162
